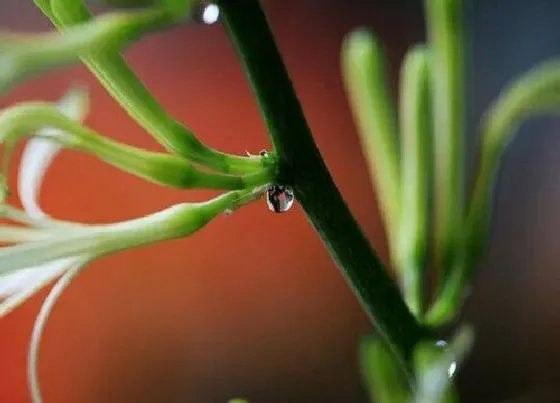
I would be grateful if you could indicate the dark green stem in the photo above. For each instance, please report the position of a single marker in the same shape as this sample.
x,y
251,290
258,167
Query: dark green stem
x,y
301,165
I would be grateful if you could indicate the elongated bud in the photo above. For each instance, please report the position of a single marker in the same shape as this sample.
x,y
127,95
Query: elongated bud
x,y
365,75
534,93
445,34
416,169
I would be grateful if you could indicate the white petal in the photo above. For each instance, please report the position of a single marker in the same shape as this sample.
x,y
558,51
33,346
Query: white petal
x,y
40,322
18,286
19,216
98,240
72,243
11,234
40,151
21,285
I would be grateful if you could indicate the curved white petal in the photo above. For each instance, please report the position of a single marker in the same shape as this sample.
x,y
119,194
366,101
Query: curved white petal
x,y
40,151
40,322
37,156
22,217
19,286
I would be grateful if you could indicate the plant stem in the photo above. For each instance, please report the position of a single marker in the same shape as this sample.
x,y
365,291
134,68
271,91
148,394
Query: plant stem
x,y
301,165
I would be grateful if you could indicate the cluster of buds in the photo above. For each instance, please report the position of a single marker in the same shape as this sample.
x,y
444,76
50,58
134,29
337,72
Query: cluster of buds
x,y
431,217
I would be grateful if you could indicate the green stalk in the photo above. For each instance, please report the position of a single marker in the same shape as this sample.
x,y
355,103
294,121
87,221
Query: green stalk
x,y
160,168
25,55
301,165
119,80
178,221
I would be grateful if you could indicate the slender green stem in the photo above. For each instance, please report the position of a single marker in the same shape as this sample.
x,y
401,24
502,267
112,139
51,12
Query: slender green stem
x,y
301,165
25,55
178,221
160,168
114,73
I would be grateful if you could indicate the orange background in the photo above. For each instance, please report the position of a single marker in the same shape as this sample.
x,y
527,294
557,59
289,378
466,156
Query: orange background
x,y
252,305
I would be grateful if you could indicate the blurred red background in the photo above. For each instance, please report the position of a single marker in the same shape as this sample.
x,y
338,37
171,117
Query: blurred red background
x,y
238,309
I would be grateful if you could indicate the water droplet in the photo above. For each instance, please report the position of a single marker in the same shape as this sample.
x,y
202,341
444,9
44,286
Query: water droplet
x,y
279,198
453,367
206,13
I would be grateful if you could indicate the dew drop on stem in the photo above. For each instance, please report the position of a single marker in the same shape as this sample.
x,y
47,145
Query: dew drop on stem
x,y
206,13
279,198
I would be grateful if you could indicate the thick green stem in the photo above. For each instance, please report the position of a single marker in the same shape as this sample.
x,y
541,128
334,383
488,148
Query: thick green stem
x,y
302,166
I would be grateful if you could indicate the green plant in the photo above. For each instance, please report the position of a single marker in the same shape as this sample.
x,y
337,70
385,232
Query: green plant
x,y
404,360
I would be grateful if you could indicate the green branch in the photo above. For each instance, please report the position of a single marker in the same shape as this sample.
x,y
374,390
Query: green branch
x,y
301,165
161,168
114,73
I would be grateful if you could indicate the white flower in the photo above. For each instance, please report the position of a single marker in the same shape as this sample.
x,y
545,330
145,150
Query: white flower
x,y
37,155
46,248
18,286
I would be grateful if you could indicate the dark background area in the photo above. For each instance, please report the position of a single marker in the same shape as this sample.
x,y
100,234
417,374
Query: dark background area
x,y
252,306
